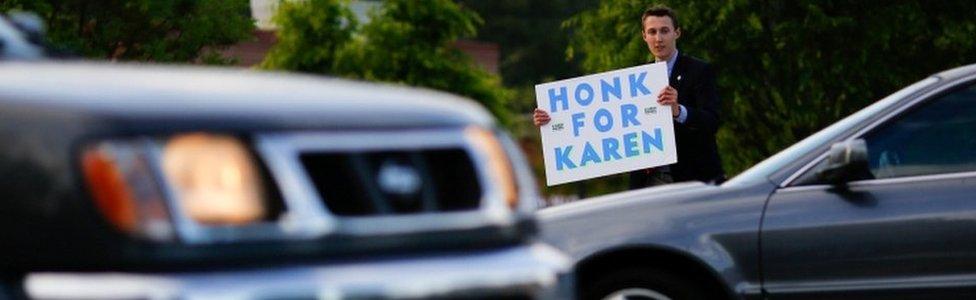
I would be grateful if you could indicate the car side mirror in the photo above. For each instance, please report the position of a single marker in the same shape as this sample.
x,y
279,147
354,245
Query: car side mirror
x,y
846,161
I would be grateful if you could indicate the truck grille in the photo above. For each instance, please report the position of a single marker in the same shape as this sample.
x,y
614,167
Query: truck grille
x,y
370,183
394,182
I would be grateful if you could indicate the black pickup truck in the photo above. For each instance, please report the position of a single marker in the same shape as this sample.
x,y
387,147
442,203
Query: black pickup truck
x,y
140,181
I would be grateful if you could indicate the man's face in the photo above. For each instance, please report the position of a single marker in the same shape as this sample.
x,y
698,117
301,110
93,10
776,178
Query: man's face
x,y
660,36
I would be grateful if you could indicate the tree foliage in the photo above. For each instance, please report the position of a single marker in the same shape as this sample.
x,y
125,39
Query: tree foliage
x,y
311,35
409,42
145,30
530,37
788,68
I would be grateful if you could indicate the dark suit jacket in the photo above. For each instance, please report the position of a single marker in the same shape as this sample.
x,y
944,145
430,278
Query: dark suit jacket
x,y
697,152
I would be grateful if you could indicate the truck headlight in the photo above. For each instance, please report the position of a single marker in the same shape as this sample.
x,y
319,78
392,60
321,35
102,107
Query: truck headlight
x,y
139,184
214,177
499,165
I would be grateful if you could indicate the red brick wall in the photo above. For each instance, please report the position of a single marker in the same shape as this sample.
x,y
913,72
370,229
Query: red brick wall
x,y
250,53
484,54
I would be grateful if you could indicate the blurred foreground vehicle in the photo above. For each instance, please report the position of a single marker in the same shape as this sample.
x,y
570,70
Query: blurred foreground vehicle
x,y
137,181
878,205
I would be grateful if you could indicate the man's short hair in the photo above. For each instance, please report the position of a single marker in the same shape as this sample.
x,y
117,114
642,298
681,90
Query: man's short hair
x,y
660,11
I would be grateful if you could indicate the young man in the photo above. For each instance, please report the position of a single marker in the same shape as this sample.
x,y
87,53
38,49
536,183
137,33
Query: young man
x,y
694,103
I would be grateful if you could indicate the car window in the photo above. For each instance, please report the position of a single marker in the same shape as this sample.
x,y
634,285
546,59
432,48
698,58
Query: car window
x,y
934,138
761,172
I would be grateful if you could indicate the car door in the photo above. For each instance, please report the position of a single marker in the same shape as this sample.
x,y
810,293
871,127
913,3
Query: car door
x,y
907,233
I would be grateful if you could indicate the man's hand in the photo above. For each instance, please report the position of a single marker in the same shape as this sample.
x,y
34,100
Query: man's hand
x,y
540,117
669,96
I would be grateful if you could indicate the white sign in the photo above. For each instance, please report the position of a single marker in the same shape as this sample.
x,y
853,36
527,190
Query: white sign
x,y
606,123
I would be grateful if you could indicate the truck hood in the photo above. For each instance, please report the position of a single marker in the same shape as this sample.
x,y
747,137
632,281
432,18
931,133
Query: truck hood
x,y
143,95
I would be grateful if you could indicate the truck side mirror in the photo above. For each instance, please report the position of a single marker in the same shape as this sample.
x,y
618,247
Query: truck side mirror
x,y
846,161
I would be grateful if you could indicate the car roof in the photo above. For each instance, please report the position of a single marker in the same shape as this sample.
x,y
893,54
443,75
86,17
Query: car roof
x,y
957,72
141,89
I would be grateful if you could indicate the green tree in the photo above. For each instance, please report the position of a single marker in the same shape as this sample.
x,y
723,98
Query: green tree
x,y
311,35
530,37
409,42
144,30
788,68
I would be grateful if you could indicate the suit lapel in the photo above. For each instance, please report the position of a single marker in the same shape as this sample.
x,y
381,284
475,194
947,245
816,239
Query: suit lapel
x,y
676,79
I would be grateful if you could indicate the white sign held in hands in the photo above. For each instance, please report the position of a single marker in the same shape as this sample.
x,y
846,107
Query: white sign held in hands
x,y
606,123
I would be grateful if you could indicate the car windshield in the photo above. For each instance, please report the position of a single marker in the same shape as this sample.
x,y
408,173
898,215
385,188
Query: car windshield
x,y
763,170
